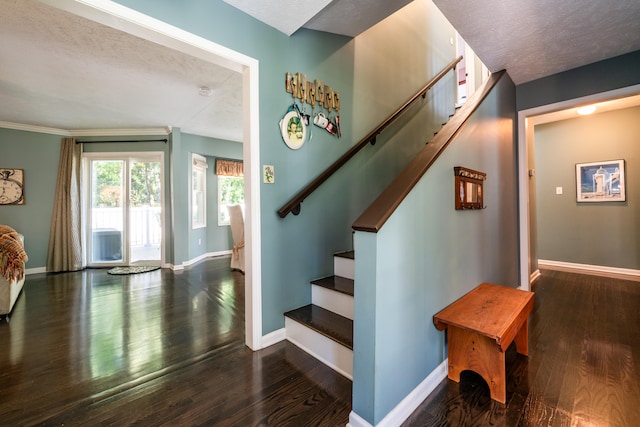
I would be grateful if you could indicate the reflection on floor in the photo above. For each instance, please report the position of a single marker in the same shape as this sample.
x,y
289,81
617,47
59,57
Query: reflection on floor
x,y
583,367
88,348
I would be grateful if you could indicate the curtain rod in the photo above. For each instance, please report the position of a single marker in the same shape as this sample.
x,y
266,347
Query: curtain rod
x,y
125,140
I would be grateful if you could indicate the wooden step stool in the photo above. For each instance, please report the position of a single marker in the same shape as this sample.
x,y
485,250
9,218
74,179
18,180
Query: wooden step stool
x,y
481,326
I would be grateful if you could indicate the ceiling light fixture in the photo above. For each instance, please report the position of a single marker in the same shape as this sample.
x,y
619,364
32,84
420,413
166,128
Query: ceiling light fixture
x,y
205,91
586,110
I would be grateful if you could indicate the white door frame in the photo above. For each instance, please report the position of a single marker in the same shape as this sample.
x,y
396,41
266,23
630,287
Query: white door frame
x,y
127,158
114,15
527,119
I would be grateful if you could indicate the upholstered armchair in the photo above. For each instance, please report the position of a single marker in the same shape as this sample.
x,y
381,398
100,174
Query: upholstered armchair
x,y
236,219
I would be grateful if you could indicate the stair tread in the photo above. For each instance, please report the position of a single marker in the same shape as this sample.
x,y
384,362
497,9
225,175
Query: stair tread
x,y
346,254
336,283
325,322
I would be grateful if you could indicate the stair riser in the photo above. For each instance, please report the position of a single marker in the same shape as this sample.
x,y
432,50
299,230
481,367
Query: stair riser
x,y
344,267
334,355
333,301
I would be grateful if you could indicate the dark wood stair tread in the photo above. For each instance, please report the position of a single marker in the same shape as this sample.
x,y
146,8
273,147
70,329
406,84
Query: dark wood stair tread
x,y
346,254
325,322
336,283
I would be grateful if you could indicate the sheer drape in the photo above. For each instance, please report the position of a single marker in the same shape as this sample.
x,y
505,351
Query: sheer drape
x,y
65,238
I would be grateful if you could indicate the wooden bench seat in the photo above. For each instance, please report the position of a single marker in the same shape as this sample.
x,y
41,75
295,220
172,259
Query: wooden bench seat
x,y
481,326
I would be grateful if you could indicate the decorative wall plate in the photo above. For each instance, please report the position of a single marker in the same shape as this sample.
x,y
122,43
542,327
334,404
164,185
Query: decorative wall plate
x,y
293,130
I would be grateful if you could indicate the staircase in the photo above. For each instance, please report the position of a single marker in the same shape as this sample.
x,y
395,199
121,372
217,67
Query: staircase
x,y
324,328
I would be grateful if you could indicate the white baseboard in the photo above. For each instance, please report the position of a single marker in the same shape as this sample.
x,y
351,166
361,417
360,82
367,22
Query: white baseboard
x,y
356,420
202,257
274,337
35,270
596,270
409,404
174,267
534,276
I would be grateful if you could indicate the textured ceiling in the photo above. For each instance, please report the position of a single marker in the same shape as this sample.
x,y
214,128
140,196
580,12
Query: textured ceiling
x,y
65,72
62,71
536,38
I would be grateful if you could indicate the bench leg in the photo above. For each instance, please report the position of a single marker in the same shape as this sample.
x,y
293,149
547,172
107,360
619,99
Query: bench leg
x,y
522,339
477,353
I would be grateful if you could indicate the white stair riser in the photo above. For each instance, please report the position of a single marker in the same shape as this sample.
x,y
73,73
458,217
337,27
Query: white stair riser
x,y
337,302
334,355
344,267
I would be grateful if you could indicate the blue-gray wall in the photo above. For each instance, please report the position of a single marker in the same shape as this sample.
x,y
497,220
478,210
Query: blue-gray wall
x,y
296,249
598,234
374,74
428,254
212,238
38,155
602,76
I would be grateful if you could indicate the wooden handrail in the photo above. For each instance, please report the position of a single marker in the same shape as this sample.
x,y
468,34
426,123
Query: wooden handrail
x,y
381,209
293,205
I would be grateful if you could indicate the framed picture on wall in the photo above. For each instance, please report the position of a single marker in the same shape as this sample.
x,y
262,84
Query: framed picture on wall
x,y
601,181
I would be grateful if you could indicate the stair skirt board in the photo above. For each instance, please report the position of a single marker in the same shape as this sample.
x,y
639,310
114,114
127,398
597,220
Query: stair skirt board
x,y
410,403
336,356
273,338
333,301
343,267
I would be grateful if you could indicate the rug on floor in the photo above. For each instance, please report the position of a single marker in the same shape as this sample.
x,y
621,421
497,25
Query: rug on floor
x,y
133,269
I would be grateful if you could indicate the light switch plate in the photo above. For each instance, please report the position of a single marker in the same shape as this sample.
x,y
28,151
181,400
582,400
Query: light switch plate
x,y
558,190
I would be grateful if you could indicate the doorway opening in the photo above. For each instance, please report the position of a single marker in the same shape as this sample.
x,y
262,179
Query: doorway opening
x,y
527,120
140,25
125,216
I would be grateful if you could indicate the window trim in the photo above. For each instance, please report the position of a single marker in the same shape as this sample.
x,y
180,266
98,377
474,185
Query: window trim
x,y
198,165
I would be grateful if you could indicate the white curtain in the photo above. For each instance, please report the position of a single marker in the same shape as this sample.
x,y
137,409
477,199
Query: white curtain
x,y
65,238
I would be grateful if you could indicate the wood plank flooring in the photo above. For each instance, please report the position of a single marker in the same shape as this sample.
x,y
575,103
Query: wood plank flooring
x,y
166,348
159,348
583,367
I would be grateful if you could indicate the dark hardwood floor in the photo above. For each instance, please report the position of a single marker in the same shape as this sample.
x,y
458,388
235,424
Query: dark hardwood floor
x,y
166,348
583,367
159,348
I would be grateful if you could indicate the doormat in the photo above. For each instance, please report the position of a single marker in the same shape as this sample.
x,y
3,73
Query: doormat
x,y
133,270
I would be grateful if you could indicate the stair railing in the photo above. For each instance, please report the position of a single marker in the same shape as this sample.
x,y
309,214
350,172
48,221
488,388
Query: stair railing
x,y
293,205
374,217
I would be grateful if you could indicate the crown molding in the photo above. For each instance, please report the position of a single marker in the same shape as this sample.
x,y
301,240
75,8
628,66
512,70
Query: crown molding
x,y
87,132
120,132
34,128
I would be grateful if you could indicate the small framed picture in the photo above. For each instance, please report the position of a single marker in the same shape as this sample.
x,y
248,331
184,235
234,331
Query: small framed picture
x,y
600,181
469,192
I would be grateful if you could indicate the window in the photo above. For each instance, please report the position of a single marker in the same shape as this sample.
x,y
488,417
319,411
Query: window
x,y
198,191
230,187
